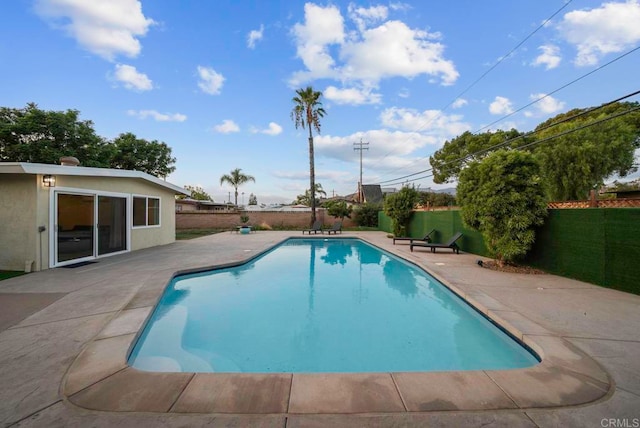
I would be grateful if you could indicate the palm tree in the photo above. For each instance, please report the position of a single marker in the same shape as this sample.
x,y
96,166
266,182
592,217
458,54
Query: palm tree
x,y
236,178
307,113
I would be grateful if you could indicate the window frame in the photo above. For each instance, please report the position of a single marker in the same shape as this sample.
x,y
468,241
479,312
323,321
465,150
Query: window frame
x,y
146,224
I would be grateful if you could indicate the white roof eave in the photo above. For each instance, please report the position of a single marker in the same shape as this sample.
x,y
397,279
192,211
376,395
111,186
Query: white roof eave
x,y
40,168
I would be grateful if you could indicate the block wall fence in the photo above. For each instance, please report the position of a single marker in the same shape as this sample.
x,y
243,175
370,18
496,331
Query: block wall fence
x,y
275,219
596,245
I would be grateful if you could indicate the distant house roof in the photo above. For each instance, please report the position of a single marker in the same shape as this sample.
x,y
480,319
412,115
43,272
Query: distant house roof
x,y
372,193
629,193
50,169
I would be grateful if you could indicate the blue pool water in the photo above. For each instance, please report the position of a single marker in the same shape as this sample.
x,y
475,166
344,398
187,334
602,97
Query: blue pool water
x,y
317,305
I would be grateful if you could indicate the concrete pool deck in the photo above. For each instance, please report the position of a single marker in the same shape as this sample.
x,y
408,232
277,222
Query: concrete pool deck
x,y
63,344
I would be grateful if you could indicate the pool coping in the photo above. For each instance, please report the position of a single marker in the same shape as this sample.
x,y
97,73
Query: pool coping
x,y
100,378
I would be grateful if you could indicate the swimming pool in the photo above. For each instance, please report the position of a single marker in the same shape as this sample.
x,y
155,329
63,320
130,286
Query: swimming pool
x,y
318,305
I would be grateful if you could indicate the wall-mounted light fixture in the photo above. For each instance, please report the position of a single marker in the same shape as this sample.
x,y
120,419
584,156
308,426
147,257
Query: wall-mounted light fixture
x,y
49,180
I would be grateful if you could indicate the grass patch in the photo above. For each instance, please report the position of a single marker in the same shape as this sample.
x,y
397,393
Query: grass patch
x,y
183,234
361,229
6,274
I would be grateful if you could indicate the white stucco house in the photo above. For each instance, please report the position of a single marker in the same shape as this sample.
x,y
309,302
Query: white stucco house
x,y
57,215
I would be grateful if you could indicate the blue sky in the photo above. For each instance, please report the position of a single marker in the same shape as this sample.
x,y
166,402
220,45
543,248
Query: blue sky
x,y
214,79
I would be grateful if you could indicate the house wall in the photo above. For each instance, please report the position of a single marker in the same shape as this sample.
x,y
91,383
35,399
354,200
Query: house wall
x,y
140,237
18,230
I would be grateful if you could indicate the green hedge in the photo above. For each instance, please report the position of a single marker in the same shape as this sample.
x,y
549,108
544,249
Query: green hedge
x,y
597,245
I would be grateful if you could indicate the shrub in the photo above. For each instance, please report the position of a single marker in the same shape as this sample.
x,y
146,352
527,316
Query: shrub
x,y
503,198
366,215
399,206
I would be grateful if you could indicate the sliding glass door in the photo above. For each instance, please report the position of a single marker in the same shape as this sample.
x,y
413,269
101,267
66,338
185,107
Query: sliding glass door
x,y
75,227
89,225
112,224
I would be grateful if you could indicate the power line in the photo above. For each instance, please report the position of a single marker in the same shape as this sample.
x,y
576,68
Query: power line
x,y
527,134
570,131
537,100
502,58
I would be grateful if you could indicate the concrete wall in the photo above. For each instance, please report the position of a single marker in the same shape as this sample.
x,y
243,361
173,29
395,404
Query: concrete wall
x,y
18,230
274,219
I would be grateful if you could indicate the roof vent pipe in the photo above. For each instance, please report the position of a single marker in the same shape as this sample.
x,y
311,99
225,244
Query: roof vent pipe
x,y
69,161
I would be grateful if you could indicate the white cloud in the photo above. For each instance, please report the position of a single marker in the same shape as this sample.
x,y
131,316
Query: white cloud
x,y
382,143
352,96
546,106
131,78
304,175
322,27
400,6
273,129
210,81
227,127
612,27
459,102
550,57
159,117
431,122
365,17
369,53
501,105
254,36
404,93
104,28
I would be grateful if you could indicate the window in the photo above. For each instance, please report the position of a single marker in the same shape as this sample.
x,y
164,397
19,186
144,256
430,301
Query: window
x,y
146,211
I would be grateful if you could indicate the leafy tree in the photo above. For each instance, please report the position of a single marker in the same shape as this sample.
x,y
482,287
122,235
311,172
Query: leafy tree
x,y
451,158
253,199
152,157
305,199
33,135
436,199
399,206
575,163
338,209
502,197
571,164
236,179
198,193
366,215
307,112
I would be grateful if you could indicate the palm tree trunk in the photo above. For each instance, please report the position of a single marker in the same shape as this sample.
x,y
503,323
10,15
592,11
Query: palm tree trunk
x,y
312,178
236,196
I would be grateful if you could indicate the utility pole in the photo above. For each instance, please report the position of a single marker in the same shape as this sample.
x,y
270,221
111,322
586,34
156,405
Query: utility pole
x,y
360,147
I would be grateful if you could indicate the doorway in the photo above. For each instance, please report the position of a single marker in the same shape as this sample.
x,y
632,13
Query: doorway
x,y
88,226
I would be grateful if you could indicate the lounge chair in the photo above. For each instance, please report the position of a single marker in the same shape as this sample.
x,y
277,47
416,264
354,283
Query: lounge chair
x,y
426,238
317,227
450,244
337,227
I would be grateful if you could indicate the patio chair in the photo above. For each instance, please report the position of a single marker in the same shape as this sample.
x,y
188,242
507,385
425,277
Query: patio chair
x,y
317,227
425,238
337,227
450,244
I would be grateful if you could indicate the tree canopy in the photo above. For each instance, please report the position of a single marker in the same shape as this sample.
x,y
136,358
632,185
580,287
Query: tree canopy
x,y
571,164
503,198
198,193
305,199
236,178
33,135
338,209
